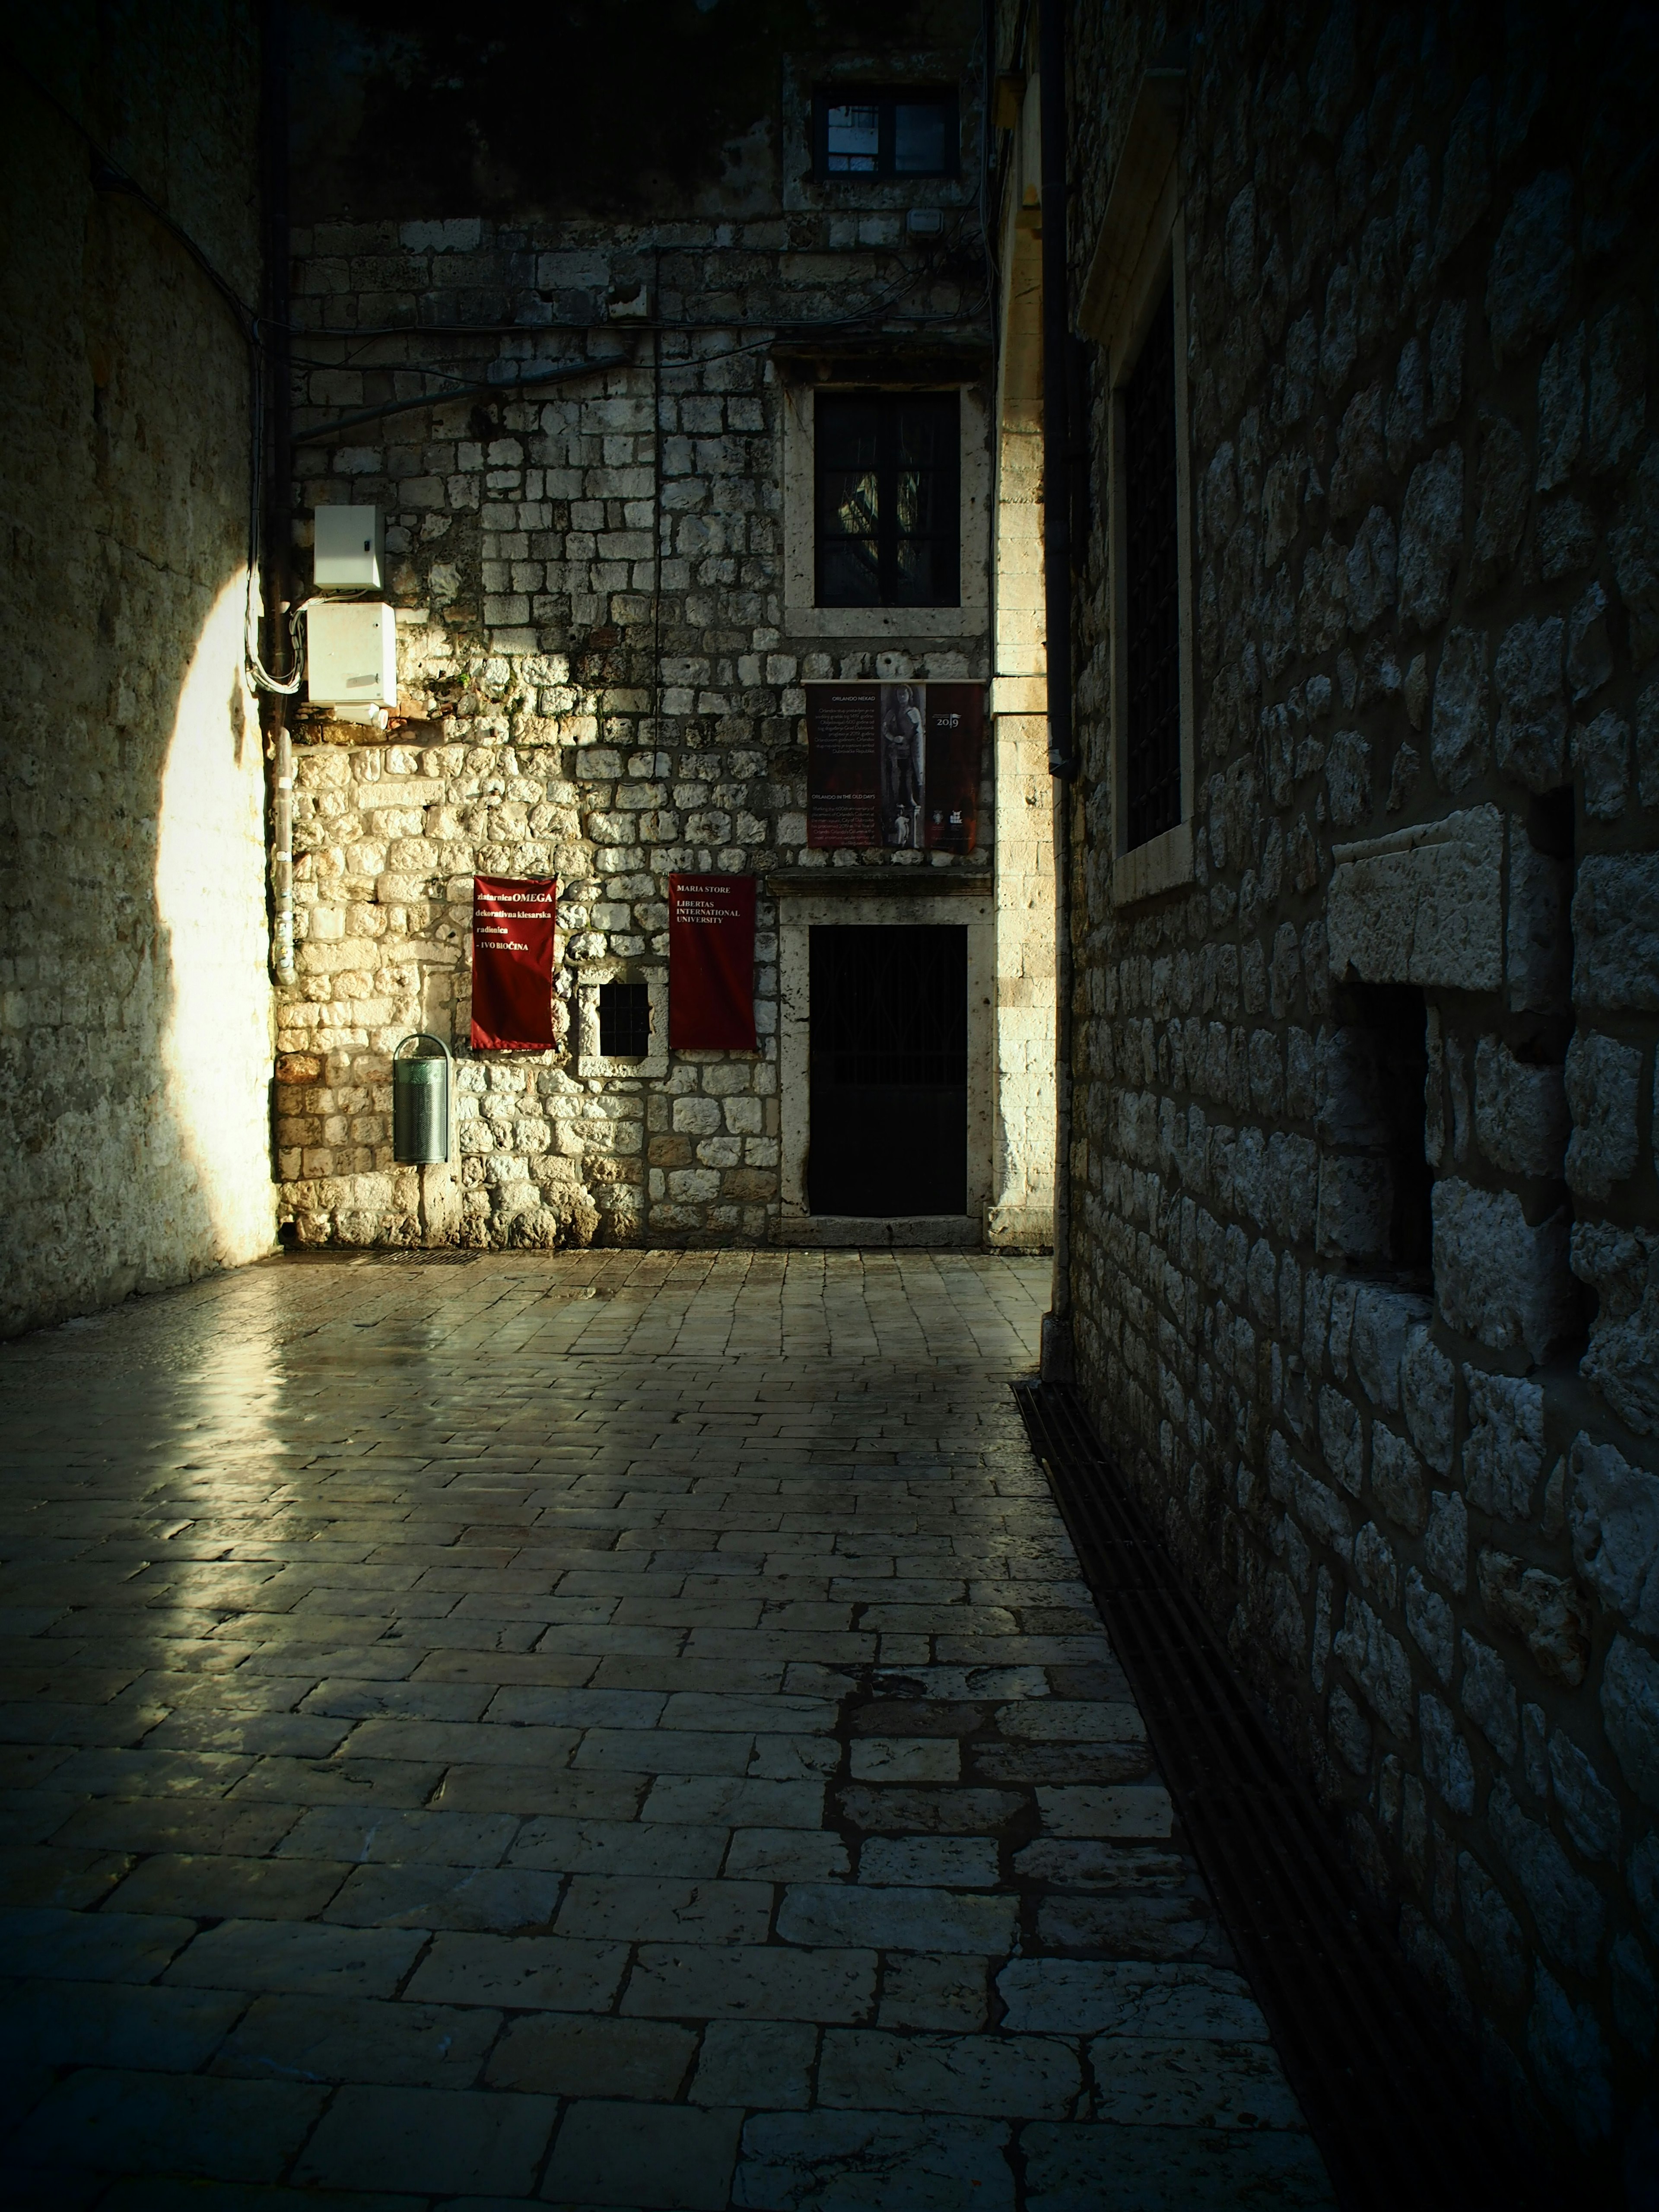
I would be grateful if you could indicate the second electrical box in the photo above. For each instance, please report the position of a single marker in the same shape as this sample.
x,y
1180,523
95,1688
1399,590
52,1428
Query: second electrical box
x,y
347,548
351,654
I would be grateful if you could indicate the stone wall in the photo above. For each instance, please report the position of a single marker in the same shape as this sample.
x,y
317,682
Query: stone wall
x,y
134,1137
600,674
1426,531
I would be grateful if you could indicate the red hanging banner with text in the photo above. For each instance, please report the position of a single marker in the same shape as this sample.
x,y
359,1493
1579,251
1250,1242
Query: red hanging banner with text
x,y
512,965
711,963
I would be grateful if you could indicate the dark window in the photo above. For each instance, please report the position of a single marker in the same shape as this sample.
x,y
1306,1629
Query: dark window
x,y
1374,1067
887,499
1153,585
624,1021
881,130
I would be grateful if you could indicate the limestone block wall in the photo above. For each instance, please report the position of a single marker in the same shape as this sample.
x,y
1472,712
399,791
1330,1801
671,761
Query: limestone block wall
x,y
600,679
134,1036
1419,1486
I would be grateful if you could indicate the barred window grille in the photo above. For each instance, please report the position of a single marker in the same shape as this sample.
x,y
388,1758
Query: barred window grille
x,y
888,517
624,1020
1153,585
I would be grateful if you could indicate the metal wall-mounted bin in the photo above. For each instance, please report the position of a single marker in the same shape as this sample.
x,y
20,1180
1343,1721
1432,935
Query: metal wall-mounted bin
x,y
422,1089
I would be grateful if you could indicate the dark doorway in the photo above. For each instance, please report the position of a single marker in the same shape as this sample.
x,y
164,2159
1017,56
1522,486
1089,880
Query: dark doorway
x,y
889,1072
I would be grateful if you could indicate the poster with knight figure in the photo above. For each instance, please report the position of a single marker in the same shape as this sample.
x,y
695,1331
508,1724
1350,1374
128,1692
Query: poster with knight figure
x,y
895,766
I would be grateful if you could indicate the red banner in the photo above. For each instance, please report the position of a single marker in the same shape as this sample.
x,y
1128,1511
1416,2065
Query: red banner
x,y
512,965
711,963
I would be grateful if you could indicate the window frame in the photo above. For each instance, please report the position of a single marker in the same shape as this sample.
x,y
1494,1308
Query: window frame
x,y
641,1004
1141,248
591,1064
803,617
1165,860
885,98
887,538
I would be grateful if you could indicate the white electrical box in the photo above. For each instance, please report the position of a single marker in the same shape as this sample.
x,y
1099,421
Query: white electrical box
x,y
351,657
347,548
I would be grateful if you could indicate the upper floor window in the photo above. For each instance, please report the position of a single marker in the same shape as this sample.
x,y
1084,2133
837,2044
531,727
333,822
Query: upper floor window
x,y
884,131
888,466
1152,584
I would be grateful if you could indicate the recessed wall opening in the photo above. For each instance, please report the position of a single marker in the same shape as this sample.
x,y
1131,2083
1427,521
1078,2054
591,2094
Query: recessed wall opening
x,y
1395,1015
889,1041
624,1020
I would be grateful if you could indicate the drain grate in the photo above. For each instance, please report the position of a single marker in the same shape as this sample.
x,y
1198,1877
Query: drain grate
x,y
1387,2093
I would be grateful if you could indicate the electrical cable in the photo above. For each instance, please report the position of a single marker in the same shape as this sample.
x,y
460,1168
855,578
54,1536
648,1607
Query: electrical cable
x,y
108,176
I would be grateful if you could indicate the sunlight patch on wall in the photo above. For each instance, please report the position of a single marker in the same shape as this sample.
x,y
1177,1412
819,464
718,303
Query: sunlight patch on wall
x,y
210,896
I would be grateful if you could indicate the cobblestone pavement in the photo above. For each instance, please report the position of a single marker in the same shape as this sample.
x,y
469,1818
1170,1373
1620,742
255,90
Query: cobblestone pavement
x,y
616,1730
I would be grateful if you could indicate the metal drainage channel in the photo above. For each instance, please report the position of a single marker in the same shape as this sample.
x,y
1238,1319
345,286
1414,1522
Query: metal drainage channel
x,y
1386,2091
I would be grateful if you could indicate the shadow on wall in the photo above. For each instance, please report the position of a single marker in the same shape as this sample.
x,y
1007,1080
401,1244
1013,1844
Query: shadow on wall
x,y
134,1021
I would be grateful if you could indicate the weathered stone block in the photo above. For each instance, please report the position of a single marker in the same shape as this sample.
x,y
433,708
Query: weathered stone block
x,y
1560,409
1348,778
1397,1482
1463,719
1647,746
1643,1872
1489,1698
1615,932
1549,1611
1622,1362
1422,905
1446,1540
1356,1206
1350,1732
1635,546
1601,757
1500,486
1589,1808
1378,1664
1359,473
1521,1119
1428,1389
1567,1907
1531,741
697,1117
1630,1713
1430,537
1601,1078
1612,1511
1447,1766
1529,280
1504,1451
1497,1277
1431,1624
1618,395
1383,1320
1341,1438
1539,952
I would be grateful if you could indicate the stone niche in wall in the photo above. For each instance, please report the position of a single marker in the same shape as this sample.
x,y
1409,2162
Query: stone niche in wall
x,y
1425,907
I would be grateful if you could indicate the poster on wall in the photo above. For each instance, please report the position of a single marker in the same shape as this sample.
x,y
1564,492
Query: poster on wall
x,y
711,963
894,764
512,965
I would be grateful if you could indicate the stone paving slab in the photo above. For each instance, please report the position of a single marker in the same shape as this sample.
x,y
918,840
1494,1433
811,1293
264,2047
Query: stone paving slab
x,y
615,1729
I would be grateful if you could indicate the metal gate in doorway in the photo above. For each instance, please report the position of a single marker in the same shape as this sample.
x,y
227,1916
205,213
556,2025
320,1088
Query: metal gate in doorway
x,y
889,1029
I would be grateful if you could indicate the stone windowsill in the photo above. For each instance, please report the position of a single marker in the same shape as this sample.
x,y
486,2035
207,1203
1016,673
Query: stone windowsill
x,y
1162,864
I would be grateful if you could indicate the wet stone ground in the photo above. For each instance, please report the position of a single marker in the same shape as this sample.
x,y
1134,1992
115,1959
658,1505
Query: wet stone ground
x,y
618,1730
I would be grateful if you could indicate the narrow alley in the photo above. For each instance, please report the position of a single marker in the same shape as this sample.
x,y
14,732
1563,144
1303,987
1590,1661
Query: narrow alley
x,y
612,1729
830,1106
